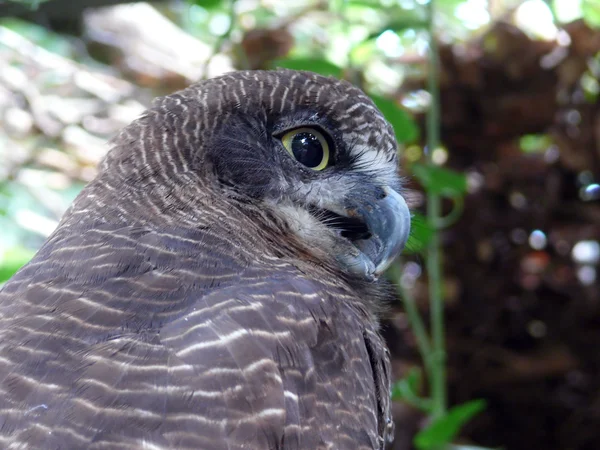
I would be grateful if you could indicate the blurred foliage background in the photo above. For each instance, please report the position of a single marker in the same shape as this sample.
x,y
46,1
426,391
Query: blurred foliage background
x,y
495,103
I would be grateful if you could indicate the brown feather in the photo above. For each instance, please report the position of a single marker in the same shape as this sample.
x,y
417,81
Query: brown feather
x,y
171,310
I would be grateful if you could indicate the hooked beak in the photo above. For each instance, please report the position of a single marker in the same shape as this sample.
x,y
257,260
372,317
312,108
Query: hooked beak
x,y
372,226
387,219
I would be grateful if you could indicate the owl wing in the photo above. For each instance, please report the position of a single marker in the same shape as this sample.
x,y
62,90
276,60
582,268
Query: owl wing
x,y
267,361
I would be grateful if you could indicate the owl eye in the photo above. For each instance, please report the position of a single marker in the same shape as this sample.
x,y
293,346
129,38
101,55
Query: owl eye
x,y
308,146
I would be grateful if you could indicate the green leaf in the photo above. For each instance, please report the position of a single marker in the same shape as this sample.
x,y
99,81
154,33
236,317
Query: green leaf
x,y
404,126
319,66
439,180
443,430
420,234
208,4
450,3
591,12
369,3
407,389
12,260
535,143
408,386
407,22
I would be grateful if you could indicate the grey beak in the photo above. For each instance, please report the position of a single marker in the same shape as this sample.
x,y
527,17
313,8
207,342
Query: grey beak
x,y
387,217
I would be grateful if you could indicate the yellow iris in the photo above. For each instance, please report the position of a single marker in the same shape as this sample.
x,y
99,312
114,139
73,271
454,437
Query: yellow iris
x,y
308,146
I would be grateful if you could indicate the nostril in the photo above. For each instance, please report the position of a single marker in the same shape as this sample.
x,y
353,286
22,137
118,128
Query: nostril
x,y
380,193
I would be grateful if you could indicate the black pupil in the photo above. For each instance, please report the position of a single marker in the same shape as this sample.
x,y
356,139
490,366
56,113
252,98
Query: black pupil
x,y
307,149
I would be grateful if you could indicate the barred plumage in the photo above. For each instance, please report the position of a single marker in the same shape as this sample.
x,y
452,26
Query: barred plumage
x,y
192,298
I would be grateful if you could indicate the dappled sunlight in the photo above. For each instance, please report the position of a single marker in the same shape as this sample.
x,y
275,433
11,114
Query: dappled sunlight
x,y
503,140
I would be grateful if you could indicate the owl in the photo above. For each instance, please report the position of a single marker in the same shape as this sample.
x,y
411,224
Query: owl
x,y
218,284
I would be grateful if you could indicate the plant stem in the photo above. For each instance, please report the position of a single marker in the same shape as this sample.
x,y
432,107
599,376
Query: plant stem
x,y
414,318
437,375
218,46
